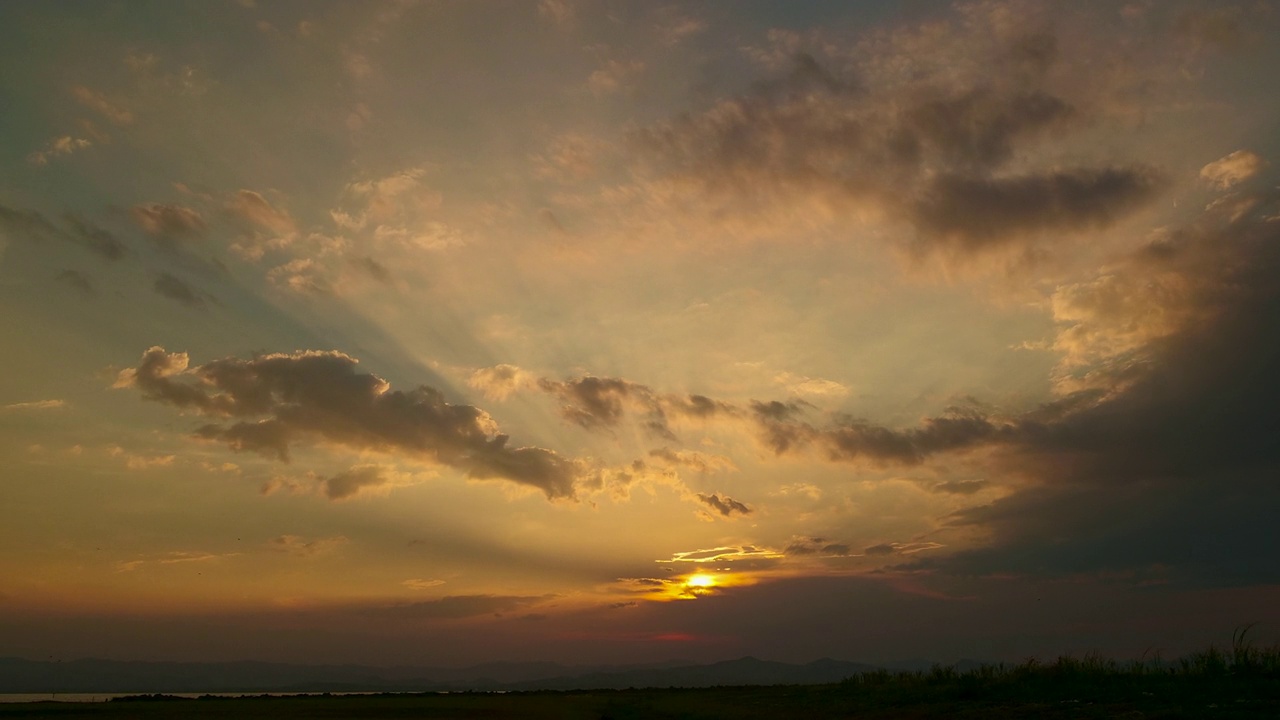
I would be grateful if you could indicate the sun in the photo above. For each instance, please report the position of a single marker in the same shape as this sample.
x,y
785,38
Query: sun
x,y
701,580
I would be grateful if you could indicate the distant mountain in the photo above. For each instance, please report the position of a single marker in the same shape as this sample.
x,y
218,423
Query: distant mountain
x,y
111,676
918,665
744,671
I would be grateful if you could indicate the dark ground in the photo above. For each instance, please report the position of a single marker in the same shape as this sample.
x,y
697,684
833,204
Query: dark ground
x,y
873,697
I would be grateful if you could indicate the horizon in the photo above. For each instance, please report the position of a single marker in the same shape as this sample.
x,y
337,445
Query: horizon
x,y
422,333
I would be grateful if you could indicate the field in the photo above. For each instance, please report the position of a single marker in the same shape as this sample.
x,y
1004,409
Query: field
x,y
1241,682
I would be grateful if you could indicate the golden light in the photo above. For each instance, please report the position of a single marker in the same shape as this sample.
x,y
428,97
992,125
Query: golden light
x,y
701,581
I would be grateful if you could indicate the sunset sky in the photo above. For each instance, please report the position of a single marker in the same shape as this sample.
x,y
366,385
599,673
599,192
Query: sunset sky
x,y
617,331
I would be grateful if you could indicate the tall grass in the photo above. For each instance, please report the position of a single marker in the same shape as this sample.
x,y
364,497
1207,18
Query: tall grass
x,y
1209,671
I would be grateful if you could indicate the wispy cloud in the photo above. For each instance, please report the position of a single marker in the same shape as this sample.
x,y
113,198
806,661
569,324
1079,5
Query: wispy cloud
x,y
36,405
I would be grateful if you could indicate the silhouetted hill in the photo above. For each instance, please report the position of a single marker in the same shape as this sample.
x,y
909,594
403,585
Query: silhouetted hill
x,y
110,676
744,671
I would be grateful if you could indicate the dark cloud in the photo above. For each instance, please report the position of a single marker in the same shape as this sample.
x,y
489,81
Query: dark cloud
x,y
849,439
34,226
272,402
816,546
695,461
1174,471
26,224
697,406
960,487
352,482
593,402
299,546
978,128
77,280
958,429
168,225
934,152
805,77
596,403
372,268
780,429
600,403
102,242
970,212
725,505
177,289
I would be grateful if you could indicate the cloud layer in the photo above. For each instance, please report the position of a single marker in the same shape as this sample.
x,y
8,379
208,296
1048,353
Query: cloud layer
x,y
272,402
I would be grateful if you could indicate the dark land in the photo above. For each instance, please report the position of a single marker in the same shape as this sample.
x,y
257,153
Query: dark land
x,y
1240,682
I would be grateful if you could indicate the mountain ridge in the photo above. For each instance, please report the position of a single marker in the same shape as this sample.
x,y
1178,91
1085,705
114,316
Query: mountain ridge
x,y
19,675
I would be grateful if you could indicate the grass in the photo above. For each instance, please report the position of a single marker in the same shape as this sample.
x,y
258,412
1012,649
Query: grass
x,y
1240,681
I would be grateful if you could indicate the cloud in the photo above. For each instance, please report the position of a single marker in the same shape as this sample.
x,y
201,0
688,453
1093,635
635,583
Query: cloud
x,y
267,225
894,548
674,27
135,461
570,157
937,129
695,461
816,546
36,405
558,12
613,76
178,290
356,481
960,487
422,583
26,224
1169,464
782,429
814,387
597,403
697,407
371,268
728,553
299,546
969,213
97,102
33,226
391,199
59,146
302,275
1220,27
272,402
176,557
168,225
500,381
594,402
958,429
102,242
78,281
1225,173
457,607
601,403
725,505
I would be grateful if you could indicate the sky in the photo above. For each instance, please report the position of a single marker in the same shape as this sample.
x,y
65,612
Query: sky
x,y
614,331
